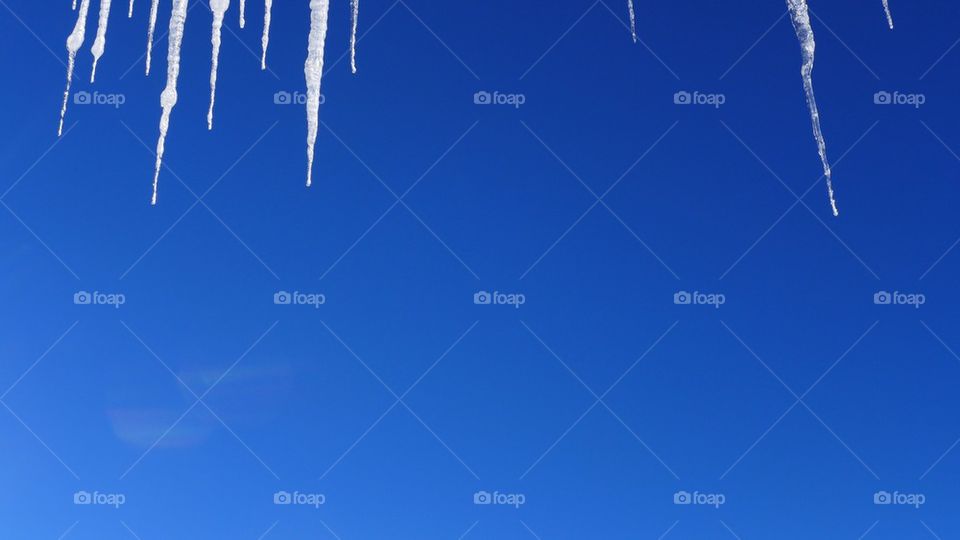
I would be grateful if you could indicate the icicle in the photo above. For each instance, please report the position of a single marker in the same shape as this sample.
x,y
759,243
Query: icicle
x,y
633,20
799,12
265,40
243,13
886,8
219,8
74,42
130,12
74,5
100,43
153,23
355,13
313,69
178,19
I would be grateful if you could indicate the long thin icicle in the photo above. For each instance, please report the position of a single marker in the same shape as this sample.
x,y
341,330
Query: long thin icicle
x,y
74,5
178,19
886,9
633,20
265,40
313,70
153,24
354,15
130,11
100,43
799,13
219,8
243,13
74,42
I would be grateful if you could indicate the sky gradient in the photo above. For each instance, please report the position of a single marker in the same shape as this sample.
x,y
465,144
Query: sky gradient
x,y
586,201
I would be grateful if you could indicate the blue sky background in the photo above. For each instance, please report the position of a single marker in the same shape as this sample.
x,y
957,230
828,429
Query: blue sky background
x,y
797,399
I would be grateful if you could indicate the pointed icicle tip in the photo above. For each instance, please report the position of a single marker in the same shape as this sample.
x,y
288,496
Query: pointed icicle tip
x,y
886,9
168,98
313,70
265,40
154,5
354,15
100,42
219,8
800,15
74,42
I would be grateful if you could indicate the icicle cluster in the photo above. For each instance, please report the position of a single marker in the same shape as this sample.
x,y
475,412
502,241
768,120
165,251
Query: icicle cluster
x,y
313,67
799,13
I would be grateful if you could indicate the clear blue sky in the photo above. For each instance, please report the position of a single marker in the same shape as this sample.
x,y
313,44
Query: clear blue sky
x,y
399,398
